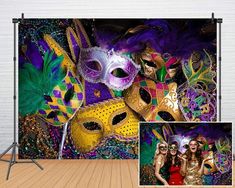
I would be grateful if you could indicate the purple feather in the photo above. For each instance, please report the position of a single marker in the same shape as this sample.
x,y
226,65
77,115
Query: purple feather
x,y
33,55
161,35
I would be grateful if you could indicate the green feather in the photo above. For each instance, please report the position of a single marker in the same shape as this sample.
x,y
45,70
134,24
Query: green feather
x,y
34,83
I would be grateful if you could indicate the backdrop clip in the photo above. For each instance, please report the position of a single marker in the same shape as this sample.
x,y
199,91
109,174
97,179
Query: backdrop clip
x,y
219,20
15,20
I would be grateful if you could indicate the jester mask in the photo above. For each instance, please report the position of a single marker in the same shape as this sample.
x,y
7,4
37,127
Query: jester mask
x,y
54,93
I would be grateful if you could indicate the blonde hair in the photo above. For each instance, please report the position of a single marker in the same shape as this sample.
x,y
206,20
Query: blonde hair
x,y
157,151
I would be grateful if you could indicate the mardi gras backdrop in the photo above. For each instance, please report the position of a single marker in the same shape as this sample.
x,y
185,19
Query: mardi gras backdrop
x,y
85,84
213,145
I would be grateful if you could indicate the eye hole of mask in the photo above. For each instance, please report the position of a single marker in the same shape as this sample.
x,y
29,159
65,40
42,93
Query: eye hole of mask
x,y
145,96
207,166
92,126
166,116
52,114
149,63
95,65
211,86
69,94
173,66
200,85
199,142
118,118
196,65
48,98
196,57
120,73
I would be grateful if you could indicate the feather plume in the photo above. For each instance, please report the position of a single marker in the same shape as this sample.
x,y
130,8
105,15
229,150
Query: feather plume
x,y
35,83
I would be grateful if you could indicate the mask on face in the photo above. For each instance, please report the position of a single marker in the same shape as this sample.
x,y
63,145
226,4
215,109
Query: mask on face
x,y
94,123
182,142
99,65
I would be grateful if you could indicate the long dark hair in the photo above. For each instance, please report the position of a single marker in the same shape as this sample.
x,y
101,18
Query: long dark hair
x,y
198,153
169,157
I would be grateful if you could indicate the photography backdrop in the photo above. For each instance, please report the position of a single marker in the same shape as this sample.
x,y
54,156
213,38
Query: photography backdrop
x,y
105,9
97,78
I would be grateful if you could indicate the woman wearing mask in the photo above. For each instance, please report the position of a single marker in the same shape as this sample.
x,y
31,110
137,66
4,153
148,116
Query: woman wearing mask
x,y
174,160
161,167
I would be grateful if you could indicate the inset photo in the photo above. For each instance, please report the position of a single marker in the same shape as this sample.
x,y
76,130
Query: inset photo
x,y
185,153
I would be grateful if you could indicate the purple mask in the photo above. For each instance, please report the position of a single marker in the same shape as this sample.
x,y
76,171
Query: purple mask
x,y
98,65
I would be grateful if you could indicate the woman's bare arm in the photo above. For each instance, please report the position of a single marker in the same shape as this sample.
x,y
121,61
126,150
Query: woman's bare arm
x,y
183,165
158,163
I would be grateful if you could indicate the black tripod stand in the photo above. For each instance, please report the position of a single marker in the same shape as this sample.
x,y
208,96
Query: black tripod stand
x,y
14,145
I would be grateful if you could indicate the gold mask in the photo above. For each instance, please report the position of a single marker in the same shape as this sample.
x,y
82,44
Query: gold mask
x,y
209,166
153,101
156,66
93,124
168,109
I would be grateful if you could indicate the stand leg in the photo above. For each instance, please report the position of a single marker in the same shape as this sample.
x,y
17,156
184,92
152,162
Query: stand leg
x,y
14,145
6,150
13,160
35,162
10,163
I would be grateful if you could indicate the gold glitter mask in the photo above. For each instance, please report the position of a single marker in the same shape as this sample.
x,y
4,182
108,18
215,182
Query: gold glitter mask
x,y
168,109
209,166
94,123
153,101
151,62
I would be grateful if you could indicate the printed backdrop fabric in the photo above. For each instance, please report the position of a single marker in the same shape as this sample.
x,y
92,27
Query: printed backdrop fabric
x,y
84,84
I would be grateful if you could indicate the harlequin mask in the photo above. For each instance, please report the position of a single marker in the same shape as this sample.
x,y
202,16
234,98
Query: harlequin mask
x,y
65,99
156,66
52,92
99,65
153,101
94,123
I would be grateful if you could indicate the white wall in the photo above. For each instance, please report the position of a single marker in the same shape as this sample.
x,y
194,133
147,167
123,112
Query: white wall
x,y
107,8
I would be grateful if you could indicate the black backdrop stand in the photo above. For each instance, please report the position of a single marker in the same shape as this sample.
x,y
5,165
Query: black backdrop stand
x,y
15,145
220,21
